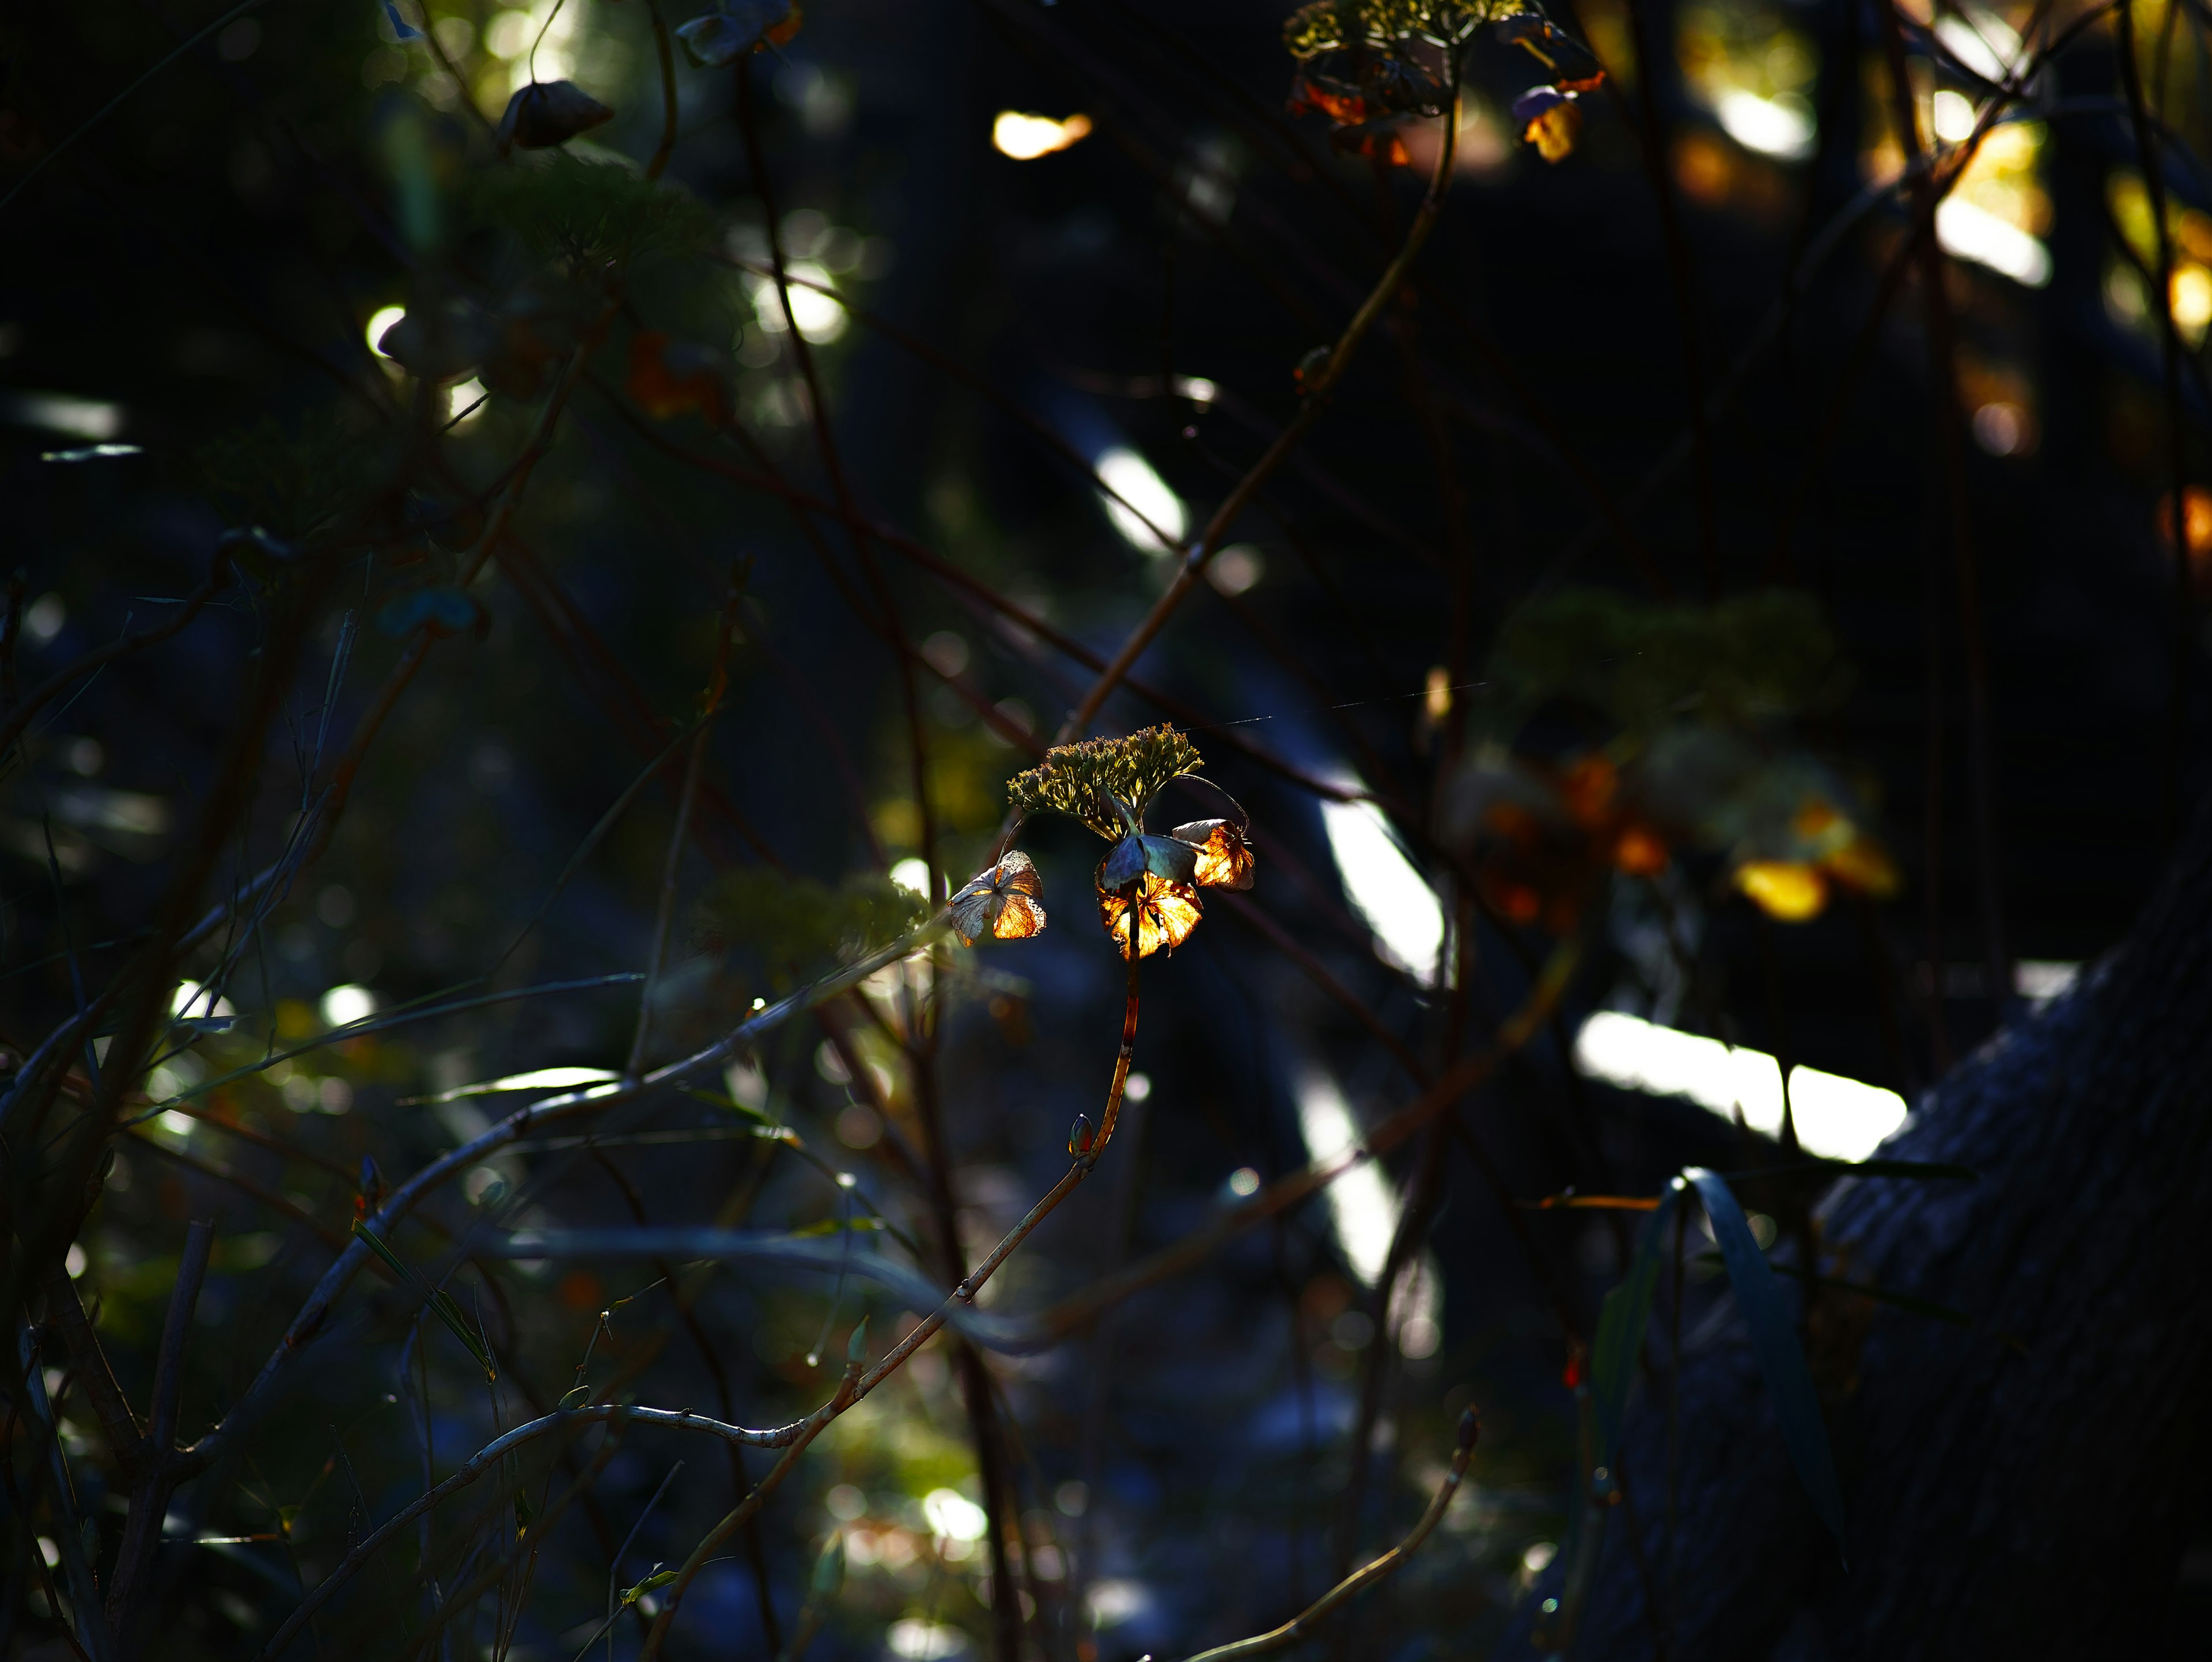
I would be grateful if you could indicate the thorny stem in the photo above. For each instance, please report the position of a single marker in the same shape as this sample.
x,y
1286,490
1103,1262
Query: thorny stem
x,y
1367,1575
1317,395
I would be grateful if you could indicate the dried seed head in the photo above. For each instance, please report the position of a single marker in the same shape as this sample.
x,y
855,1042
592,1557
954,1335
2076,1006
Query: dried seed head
x,y
1086,780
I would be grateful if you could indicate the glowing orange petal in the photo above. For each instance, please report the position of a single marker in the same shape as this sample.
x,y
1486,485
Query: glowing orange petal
x,y
1019,918
1639,853
1164,914
1224,859
1587,787
1784,890
1865,865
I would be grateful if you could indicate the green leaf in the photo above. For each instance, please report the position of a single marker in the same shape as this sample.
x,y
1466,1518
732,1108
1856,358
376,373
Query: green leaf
x,y
440,1303
1780,1358
1620,1327
830,1567
730,1104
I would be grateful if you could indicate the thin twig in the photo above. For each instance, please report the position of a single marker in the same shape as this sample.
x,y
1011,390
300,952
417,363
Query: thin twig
x,y
1297,1628
1317,397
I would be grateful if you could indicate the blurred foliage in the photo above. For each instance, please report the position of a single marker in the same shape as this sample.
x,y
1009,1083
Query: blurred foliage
x,y
585,211
797,925
1747,659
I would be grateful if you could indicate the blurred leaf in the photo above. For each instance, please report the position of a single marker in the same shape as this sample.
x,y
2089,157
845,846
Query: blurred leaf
x,y
836,1226
1774,1340
736,27
1620,1325
1550,120
1786,891
669,378
446,610
795,923
1744,661
830,1567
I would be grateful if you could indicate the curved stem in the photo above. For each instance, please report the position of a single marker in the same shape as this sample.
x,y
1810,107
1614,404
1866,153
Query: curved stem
x,y
488,1459
1298,1625
856,1384
1340,357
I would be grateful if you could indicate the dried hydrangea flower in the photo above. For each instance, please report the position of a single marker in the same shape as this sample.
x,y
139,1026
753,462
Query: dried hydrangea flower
x,y
1007,901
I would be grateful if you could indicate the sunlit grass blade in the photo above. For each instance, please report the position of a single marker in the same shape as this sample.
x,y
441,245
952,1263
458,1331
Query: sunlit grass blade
x,y
1775,1343
727,1103
1620,1325
440,1303
543,1079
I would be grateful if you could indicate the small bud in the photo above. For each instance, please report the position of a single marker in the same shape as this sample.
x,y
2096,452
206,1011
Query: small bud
x,y
856,1348
1079,1135
549,113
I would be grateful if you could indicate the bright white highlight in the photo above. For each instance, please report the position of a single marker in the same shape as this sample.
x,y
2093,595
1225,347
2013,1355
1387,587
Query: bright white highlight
x,y
380,325
912,874
2042,979
1838,1119
1988,45
1112,1603
917,1641
1386,890
343,1006
1136,485
1952,115
1360,1202
461,401
1967,232
1025,137
821,318
1780,127
191,998
65,413
954,1516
